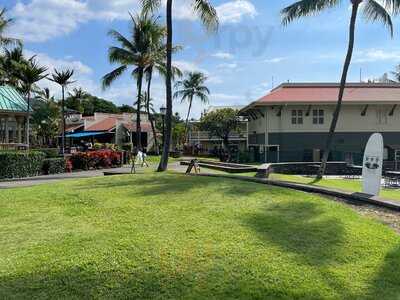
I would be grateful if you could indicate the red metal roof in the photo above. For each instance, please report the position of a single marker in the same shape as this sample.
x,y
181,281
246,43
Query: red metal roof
x,y
146,127
328,92
103,125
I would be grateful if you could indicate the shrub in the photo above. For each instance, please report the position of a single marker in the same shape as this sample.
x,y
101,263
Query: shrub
x,y
18,164
54,165
50,152
95,159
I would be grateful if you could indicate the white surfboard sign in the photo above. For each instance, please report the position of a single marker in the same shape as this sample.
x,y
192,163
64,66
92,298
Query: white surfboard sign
x,y
372,165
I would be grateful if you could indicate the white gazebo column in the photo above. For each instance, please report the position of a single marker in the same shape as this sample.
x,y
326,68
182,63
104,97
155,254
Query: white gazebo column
x,y
6,129
19,128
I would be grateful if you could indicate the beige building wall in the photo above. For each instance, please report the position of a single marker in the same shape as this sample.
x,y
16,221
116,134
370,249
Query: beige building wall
x,y
377,118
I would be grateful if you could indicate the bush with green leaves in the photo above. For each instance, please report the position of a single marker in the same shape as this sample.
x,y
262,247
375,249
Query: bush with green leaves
x,y
18,164
54,165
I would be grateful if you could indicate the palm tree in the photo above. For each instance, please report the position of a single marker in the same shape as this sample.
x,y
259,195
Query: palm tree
x,y
10,63
29,74
136,53
63,78
190,88
209,18
4,24
75,99
373,11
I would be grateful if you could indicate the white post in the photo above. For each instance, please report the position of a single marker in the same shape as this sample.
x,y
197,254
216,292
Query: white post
x,y
6,128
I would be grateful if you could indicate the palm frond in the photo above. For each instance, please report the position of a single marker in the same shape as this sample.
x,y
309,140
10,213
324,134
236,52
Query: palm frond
x,y
393,6
109,78
62,77
207,14
123,40
305,8
373,11
120,55
150,5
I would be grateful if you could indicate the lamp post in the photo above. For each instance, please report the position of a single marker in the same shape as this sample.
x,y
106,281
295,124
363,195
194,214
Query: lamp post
x,y
163,111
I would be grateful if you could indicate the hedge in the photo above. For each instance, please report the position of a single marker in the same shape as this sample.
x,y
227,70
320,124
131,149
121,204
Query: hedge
x,y
54,166
95,159
21,164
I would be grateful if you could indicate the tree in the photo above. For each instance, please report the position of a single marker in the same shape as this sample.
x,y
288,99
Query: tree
x,y
133,53
75,99
209,18
4,25
10,64
125,108
46,116
373,11
92,104
29,74
221,123
63,78
190,88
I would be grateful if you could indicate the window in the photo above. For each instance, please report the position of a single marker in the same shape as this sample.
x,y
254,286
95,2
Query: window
x,y
318,116
297,117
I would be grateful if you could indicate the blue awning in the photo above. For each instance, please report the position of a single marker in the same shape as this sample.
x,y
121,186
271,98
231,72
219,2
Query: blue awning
x,y
84,134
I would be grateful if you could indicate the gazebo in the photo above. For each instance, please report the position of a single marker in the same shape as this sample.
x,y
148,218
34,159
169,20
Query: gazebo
x,y
13,117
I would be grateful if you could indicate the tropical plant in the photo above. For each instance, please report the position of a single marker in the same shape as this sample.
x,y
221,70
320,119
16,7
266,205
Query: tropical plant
x,y
221,123
4,24
190,88
373,11
134,52
75,99
30,73
45,117
209,18
10,63
63,78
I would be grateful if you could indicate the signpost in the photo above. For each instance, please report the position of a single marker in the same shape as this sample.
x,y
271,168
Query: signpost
x,y
372,165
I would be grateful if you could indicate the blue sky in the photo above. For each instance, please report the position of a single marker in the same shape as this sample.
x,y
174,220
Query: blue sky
x,y
240,61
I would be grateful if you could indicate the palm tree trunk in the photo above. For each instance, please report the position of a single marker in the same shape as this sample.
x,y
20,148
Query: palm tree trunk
x,y
329,141
153,129
187,117
168,116
27,119
63,121
138,121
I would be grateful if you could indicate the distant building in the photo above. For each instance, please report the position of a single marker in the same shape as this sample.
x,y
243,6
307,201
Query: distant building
x,y
119,129
13,117
207,144
291,123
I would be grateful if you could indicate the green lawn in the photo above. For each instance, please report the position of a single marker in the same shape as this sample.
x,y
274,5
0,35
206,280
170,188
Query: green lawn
x,y
352,185
160,236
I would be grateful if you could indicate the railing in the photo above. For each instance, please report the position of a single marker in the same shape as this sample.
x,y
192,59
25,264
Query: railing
x,y
204,135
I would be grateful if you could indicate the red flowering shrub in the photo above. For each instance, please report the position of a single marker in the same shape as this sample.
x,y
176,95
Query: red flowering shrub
x,y
95,159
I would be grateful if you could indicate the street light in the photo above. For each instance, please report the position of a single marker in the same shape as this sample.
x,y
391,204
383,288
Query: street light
x,y
163,111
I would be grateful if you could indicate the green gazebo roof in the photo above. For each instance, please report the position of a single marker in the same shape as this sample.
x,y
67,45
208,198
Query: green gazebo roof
x,y
11,100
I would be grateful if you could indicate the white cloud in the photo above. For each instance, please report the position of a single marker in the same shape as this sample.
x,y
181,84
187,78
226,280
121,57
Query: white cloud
x,y
235,11
187,66
223,55
373,55
227,66
275,60
41,20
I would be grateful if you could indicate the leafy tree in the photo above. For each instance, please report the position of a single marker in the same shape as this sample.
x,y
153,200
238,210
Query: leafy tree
x,y
190,88
11,62
63,78
29,74
46,116
209,18
373,11
75,99
125,108
4,25
221,123
92,104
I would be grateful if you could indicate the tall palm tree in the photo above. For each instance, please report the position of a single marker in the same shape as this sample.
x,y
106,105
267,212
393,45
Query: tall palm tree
x,y
373,11
134,52
29,74
4,24
209,18
63,78
75,99
190,88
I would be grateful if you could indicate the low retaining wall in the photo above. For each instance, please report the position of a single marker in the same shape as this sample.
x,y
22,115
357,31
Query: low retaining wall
x,y
308,168
226,167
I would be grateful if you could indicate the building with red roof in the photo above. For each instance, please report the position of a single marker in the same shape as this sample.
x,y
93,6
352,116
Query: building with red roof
x,y
119,129
292,121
